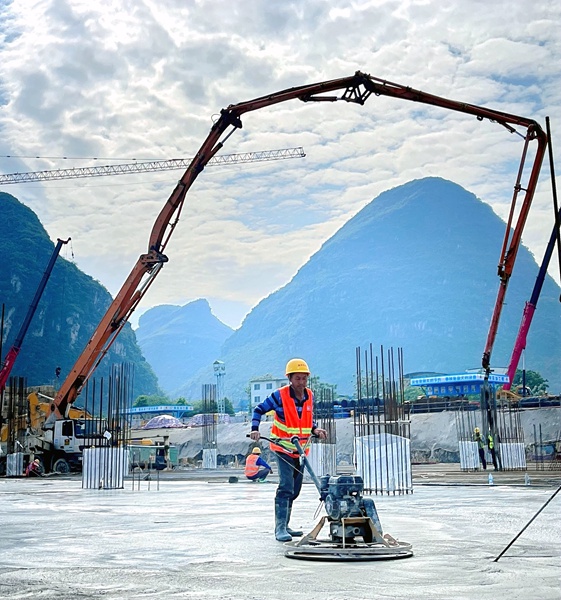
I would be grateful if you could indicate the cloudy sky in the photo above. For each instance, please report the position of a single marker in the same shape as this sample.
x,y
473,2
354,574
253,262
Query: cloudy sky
x,y
116,80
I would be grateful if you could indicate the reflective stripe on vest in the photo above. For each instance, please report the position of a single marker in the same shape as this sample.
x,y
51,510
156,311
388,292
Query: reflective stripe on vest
x,y
292,424
491,442
251,467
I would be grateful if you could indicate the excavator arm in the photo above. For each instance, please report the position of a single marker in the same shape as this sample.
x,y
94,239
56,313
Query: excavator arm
x,y
357,89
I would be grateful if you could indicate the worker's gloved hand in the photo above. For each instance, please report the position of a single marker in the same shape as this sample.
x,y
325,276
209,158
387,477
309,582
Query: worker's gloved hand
x,y
254,435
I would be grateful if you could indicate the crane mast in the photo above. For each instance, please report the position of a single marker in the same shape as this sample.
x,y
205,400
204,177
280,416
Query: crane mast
x,y
357,89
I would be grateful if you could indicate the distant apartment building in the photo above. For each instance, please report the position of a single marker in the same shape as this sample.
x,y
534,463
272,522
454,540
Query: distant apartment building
x,y
261,387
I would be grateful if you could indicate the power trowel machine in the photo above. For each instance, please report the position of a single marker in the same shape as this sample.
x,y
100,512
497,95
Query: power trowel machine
x,y
355,532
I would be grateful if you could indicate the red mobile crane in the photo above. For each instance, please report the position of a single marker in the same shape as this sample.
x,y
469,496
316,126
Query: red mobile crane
x,y
357,89
16,347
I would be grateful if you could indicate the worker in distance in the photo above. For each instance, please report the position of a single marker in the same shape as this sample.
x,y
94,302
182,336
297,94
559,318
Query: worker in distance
x,y
293,415
256,468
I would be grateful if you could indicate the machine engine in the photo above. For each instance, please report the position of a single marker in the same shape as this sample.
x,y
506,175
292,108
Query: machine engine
x,y
342,496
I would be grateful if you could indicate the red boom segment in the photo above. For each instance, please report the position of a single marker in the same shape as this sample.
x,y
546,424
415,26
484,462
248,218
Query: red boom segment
x,y
356,88
14,351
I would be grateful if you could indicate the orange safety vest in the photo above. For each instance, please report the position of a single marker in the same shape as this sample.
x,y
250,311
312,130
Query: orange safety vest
x,y
251,467
293,424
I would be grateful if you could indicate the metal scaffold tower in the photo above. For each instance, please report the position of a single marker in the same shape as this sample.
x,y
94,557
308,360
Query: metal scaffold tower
x,y
220,373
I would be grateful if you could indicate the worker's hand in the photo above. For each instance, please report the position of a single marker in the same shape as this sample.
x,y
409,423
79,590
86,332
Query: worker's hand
x,y
254,435
321,433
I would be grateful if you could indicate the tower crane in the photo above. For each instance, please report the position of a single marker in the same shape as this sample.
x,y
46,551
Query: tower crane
x,y
153,165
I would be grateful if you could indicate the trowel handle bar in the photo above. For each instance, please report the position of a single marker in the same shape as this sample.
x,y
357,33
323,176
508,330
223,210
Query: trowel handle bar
x,y
280,442
296,441
301,451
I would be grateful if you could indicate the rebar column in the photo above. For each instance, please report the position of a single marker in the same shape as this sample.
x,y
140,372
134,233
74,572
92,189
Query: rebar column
x,y
210,417
381,427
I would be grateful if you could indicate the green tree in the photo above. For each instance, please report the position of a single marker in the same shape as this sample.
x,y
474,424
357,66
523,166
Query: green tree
x,y
153,400
229,407
198,408
534,381
316,385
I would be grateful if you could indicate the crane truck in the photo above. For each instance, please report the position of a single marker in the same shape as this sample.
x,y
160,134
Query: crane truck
x,y
355,89
16,428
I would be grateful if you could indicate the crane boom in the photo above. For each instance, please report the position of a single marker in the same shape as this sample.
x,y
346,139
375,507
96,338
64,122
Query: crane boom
x,y
14,351
153,165
531,305
357,89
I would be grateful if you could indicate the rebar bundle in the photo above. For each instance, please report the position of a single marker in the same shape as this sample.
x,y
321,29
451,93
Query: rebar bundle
x,y
381,428
105,429
210,418
324,452
14,413
505,450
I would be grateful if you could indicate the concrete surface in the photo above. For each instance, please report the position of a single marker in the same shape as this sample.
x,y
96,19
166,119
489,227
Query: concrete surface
x,y
209,539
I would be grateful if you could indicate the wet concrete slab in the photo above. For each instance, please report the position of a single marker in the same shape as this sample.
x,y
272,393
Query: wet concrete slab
x,y
212,539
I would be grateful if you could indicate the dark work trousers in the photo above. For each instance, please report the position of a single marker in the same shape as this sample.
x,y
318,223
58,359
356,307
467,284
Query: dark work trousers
x,y
482,457
494,457
290,477
261,474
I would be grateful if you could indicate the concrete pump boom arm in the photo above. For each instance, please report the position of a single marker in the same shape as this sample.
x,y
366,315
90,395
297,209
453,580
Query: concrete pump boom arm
x,y
357,89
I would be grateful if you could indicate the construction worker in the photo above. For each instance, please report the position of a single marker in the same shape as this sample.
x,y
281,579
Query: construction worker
x,y
491,446
480,446
34,469
293,408
256,469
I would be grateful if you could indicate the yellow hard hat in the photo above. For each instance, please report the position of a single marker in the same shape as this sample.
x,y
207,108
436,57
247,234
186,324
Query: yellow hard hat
x,y
256,450
476,430
297,365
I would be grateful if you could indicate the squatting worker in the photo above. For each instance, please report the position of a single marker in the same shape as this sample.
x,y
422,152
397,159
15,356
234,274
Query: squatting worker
x,y
293,408
256,468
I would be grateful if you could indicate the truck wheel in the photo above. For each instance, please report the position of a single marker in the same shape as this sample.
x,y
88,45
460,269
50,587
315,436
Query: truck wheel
x,y
61,466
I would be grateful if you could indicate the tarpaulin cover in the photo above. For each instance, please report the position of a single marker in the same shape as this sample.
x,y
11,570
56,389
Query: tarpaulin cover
x,y
162,421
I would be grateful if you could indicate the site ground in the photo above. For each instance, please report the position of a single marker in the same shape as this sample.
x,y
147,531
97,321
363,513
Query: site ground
x,y
423,474
192,534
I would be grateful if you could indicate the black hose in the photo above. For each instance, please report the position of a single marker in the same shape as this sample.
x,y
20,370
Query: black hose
x,y
528,524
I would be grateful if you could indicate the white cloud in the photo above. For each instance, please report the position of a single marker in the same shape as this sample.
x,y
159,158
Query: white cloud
x,y
143,79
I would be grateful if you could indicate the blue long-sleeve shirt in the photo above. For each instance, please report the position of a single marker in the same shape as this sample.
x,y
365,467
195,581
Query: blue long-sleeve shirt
x,y
260,462
274,402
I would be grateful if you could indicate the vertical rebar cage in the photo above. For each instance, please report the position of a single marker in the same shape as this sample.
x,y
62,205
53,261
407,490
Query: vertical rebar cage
x,y
14,412
382,430
323,453
501,419
210,417
105,430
